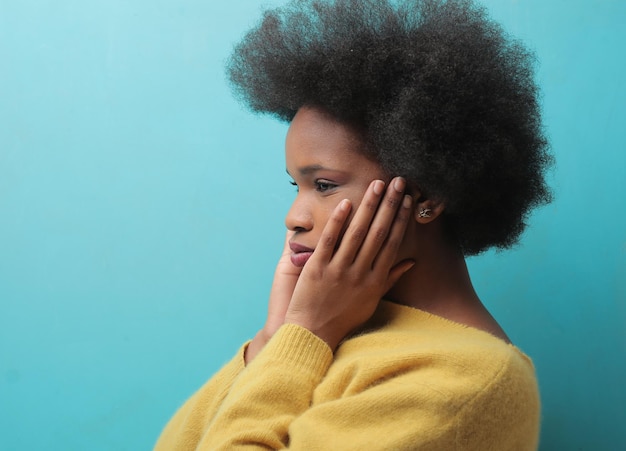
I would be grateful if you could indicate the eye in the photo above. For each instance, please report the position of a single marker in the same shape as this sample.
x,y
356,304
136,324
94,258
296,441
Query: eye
x,y
324,185
292,183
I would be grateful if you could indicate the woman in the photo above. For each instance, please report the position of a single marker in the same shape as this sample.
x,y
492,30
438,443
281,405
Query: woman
x,y
414,141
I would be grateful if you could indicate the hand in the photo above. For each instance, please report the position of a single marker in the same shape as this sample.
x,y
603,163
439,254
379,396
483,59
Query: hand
x,y
340,286
285,278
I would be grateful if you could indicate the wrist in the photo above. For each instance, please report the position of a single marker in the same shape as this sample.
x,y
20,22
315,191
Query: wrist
x,y
328,335
258,342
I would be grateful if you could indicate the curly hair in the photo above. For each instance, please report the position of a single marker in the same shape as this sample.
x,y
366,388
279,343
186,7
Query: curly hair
x,y
444,98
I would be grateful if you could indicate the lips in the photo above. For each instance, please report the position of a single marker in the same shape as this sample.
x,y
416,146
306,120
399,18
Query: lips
x,y
300,254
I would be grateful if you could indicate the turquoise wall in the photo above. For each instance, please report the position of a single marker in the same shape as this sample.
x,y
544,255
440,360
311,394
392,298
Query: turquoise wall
x,y
141,214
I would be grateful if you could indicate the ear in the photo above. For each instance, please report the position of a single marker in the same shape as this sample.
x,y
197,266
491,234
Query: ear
x,y
427,210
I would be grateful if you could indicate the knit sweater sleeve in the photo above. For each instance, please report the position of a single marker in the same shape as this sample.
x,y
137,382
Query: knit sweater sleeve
x,y
273,390
473,396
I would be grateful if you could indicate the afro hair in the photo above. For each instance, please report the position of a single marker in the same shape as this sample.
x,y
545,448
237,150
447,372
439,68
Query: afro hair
x,y
444,98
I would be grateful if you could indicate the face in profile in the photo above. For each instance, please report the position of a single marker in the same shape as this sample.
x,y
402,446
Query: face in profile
x,y
326,162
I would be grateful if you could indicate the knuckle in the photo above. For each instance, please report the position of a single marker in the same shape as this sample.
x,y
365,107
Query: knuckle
x,y
354,277
379,234
336,221
393,242
335,218
327,240
370,204
392,202
403,215
357,234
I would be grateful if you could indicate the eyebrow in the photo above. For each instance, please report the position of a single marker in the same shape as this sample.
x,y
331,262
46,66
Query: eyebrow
x,y
306,170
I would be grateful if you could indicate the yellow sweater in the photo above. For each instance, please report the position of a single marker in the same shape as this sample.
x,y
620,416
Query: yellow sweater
x,y
411,381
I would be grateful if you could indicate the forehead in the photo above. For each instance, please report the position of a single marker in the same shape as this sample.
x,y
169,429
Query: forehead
x,y
314,137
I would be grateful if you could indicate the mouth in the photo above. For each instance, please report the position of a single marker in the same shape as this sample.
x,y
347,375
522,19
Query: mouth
x,y
300,254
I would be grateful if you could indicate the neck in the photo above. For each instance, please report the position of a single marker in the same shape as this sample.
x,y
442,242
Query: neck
x,y
439,283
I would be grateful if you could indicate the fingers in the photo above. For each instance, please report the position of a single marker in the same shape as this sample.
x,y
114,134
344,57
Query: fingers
x,y
376,230
330,235
387,227
389,249
360,223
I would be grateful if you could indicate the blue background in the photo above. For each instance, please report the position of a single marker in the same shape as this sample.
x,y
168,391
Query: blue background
x,y
141,215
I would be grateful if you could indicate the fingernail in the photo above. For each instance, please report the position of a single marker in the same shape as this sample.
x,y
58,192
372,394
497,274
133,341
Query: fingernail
x,y
344,205
378,187
399,184
407,201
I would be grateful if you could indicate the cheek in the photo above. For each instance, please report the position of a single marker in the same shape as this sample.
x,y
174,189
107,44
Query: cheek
x,y
356,197
323,212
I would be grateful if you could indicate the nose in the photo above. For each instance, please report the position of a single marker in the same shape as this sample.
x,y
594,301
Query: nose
x,y
299,218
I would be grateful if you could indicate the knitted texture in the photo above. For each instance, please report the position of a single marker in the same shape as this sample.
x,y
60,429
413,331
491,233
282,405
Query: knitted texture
x,y
410,381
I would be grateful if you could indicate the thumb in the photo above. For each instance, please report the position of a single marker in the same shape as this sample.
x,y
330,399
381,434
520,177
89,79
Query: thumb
x,y
288,236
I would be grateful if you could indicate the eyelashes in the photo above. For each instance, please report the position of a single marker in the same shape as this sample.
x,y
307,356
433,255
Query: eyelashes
x,y
321,185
